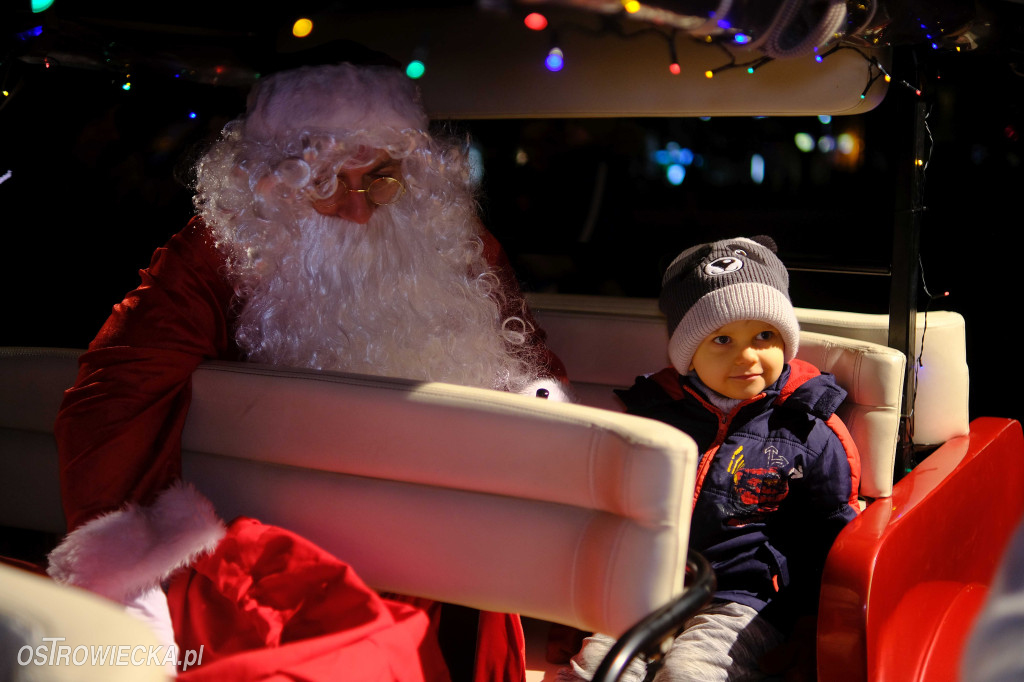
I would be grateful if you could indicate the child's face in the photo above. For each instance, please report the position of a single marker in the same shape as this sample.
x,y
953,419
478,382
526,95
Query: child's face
x,y
740,359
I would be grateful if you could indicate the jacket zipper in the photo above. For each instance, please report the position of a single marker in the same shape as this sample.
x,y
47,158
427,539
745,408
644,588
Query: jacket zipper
x,y
724,421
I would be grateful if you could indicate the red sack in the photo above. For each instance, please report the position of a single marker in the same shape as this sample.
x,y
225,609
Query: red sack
x,y
270,605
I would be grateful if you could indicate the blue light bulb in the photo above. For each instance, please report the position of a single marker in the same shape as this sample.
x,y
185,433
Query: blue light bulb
x,y
555,60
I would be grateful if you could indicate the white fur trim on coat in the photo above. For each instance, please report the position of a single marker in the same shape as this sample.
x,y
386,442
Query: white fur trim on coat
x,y
556,390
123,553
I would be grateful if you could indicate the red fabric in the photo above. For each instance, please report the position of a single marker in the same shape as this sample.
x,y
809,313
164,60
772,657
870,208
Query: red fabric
x,y
269,605
501,649
668,379
119,428
852,456
799,372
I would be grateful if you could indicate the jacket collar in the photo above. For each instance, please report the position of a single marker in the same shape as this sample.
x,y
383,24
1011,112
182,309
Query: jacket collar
x,y
810,390
800,386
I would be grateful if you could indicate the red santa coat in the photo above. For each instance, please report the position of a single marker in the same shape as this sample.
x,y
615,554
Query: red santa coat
x,y
119,437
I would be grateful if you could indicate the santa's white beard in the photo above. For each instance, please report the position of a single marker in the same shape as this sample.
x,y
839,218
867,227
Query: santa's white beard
x,y
383,299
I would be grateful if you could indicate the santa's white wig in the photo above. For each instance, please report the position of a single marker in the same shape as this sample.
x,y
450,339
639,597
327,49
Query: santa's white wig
x,y
409,293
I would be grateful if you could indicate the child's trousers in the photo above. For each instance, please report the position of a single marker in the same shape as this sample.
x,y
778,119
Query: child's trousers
x,y
722,642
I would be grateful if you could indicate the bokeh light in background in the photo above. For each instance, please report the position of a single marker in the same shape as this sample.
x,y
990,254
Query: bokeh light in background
x,y
804,142
757,169
555,60
476,164
302,27
535,21
415,69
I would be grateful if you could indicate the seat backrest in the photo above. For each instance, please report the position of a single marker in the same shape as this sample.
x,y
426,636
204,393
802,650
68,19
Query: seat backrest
x,y
32,384
607,342
79,627
941,404
873,378
501,502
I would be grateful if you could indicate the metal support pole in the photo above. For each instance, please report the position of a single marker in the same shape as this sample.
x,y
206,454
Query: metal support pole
x,y
909,207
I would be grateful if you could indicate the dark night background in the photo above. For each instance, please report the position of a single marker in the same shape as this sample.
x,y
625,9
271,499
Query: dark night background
x,y
98,179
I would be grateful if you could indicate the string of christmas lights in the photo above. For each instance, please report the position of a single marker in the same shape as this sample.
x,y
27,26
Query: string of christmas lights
x,y
555,58
875,70
750,66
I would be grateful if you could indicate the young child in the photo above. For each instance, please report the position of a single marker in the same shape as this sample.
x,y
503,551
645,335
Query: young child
x,y
778,474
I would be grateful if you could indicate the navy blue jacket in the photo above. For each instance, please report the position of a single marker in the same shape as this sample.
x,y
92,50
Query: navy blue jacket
x,y
777,481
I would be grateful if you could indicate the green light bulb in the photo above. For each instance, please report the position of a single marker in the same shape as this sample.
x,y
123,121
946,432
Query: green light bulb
x,y
415,69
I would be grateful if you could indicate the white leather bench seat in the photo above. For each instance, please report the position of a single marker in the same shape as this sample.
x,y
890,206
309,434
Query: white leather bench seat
x,y
469,496
941,402
496,501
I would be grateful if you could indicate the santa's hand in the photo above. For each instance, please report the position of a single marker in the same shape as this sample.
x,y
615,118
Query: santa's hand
x,y
150,607
551,389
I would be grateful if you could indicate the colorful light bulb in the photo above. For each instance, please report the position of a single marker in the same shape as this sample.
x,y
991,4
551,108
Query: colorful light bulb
x,y
415,69
536,21
555,60
302,27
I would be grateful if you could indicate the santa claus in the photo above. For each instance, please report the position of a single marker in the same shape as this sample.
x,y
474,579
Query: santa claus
x,y
333,232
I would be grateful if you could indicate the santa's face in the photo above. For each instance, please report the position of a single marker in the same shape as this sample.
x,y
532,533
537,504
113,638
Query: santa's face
x,y
333,273
349,196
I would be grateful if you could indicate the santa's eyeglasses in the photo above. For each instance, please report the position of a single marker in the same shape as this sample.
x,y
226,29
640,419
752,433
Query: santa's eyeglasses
x,y
381,192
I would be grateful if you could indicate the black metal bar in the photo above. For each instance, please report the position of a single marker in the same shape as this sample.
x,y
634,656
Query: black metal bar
x,y
911,113
646,636
840,270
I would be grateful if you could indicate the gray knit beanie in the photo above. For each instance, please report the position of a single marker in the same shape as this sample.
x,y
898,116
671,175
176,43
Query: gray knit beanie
x,y
710,285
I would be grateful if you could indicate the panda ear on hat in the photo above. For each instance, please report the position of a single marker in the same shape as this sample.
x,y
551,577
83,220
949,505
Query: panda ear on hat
x,y
766,241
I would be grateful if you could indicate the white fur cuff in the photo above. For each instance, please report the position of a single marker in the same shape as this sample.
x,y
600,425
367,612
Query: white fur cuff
x,y
123,553
555,390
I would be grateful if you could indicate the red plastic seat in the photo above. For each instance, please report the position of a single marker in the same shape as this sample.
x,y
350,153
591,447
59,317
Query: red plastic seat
x,y
905,580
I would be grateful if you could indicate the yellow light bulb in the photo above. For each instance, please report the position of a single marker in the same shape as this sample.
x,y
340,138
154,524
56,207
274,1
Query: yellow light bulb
x,y
302,28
